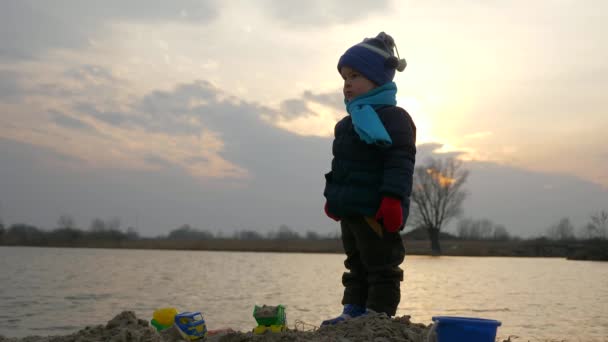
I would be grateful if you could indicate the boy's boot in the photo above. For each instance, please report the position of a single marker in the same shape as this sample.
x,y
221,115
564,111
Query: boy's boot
x,y
350,311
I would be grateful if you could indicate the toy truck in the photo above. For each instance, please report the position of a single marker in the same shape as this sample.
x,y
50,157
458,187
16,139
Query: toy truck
x,y
269,318
191,325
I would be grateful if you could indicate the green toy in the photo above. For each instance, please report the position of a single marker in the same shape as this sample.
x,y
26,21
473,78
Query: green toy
x,y
163,318
270,318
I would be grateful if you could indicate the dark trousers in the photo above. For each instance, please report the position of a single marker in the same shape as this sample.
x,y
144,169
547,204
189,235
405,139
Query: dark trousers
x,y
373,277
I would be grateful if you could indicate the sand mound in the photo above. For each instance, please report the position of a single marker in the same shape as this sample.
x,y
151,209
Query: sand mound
x,y
124,327
127,327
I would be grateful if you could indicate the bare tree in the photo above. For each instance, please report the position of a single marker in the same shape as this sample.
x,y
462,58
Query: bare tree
x,y
501,233
597,227
97,225
113,223
1,221
286,233
563,230
66,221
248,235
310,235
483,229
132,233
438,195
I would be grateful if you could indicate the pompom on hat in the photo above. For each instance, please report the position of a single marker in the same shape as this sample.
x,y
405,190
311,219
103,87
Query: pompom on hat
x,y
374,58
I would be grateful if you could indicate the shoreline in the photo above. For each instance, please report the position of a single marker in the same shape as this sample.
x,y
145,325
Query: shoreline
x,y
596,251
126,326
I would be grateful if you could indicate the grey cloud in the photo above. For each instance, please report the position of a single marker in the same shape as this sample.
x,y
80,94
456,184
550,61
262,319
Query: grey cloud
x,y
293,108
67,158
286,181
245,135
519,198
29,27
158,161
10,89
53,90
430,150
111,118
334,100
280,193
12,151
89,72
26,30
180,10
274,158
69,122
320,12
298,107
178,101
195,160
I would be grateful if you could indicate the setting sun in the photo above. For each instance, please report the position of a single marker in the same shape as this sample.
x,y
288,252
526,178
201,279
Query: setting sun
x,y
421,118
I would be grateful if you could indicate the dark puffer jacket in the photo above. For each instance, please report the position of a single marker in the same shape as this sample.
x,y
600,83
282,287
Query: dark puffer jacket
x,y
361,174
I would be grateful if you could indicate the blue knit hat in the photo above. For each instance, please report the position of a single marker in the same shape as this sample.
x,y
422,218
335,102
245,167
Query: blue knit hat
x,y
374,59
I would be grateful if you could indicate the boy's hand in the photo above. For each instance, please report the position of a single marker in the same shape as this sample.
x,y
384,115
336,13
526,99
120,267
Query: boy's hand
x,y
330,215
390,214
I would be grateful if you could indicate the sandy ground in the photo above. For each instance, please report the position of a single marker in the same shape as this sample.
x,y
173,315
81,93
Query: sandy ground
x,y
127,327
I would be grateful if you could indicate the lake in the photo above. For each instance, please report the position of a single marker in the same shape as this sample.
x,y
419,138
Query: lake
x,y
57,291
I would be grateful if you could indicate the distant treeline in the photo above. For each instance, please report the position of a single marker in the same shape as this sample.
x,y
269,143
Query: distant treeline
x,y
25,234
472,238
110,230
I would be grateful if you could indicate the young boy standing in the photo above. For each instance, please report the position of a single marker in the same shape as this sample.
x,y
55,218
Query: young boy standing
x,y
370,182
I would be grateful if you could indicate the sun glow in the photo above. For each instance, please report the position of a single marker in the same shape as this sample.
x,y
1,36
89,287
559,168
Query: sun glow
x,y
442,180
421,118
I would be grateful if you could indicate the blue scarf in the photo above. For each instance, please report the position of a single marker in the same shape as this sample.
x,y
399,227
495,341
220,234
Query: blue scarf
x,y
365,119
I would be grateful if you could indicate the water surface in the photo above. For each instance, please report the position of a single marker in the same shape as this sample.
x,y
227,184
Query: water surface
x,y
56,291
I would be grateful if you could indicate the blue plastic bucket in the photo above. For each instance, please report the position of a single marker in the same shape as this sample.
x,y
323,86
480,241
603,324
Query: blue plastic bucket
x,y
461,329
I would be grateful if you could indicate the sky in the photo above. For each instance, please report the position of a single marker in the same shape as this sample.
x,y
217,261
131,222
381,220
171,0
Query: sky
x,y
220,114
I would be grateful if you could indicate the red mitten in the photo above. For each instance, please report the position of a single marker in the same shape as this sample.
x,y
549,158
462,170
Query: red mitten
x,y
390,213
330,215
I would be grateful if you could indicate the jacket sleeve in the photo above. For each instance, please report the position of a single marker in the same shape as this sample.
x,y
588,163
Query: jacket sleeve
x,y
400,157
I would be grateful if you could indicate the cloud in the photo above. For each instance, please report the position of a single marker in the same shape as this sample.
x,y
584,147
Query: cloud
x,y
293,108
194,126
29,27
14,152
158,161
433,150
522,201
89,73
111,118
179,100
309,107
321,13
309,114
10,89
201,154
69,122
334,100
26,30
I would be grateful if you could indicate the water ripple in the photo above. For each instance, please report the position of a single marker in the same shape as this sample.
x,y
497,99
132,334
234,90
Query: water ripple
x,y
88,296
49,296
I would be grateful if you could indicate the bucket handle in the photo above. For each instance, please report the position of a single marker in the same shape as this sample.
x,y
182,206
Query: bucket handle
x,y
431,332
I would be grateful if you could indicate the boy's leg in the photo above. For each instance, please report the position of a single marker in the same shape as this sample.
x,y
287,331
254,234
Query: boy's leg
x,y
381,257
355,279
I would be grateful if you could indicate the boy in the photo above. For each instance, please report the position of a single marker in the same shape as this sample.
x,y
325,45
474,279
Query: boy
x,y
370,182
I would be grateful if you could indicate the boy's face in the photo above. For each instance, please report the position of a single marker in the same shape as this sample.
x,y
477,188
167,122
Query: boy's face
x,y
355,84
